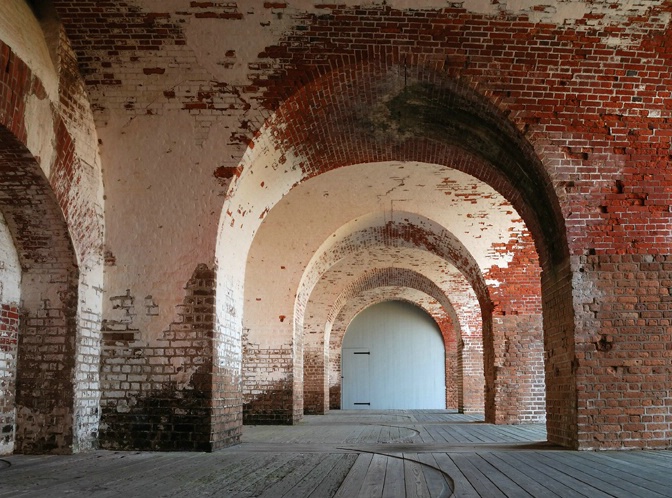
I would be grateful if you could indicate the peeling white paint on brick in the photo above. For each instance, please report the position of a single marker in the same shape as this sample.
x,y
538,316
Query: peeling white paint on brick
x,y
41,135
10,268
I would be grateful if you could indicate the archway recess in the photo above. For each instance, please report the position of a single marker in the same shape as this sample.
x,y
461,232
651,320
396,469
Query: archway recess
x,y
468,135
47,318
337,297
486,224
393,358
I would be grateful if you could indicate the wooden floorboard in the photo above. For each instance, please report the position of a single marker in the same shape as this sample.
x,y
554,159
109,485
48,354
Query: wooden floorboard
x,y
566,484
639,464
462,487
261,478
297,470
419,453
439,484
395,484
647,476
617,482
586,475
374,480
415,474
534,486
481,483
334,479
353,480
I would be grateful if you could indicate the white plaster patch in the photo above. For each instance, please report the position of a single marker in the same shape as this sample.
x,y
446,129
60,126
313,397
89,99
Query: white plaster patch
x,y
41,136
268,174
556,12
603,13
211,40
157,243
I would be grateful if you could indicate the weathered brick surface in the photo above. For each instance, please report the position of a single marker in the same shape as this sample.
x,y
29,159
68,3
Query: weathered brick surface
x,y
623,351
569,117
471,388
47,337
9,336
329,295
268,401
158,396
515,376
52,200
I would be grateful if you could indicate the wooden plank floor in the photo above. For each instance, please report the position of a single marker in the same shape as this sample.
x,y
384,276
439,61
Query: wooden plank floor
x,y
354,454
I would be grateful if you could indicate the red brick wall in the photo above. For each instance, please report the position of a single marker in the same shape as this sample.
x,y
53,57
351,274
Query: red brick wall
x,y
590,97
623,351
515,374
316,381
471,394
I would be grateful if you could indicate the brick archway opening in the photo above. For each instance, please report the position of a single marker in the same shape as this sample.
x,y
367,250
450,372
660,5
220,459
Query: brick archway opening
x,y
416,115
47,322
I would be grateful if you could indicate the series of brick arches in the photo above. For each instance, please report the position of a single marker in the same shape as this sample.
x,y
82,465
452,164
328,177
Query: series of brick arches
x,y
406,149
347,146
509,314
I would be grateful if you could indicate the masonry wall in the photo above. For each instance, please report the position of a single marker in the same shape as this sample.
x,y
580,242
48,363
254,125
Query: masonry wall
x,y
157,395
51,198
516,382
623,350
10,293
586,84
316,381
268,394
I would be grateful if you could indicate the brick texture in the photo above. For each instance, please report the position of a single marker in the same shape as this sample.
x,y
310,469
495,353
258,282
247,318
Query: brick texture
x,y
568,119
158,396
9,338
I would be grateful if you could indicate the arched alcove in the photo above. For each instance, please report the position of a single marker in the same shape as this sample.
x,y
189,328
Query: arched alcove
x,y
393,358
469,135
47,339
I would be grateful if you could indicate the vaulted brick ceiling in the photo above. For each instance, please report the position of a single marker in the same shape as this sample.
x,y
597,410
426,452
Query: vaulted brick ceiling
x,y
330,231
391,114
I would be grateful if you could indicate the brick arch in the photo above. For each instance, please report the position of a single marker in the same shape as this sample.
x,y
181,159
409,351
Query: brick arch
x,y
316,331
45,395
399,277
444,314
464,389
406,230
427,274
56,227
373,111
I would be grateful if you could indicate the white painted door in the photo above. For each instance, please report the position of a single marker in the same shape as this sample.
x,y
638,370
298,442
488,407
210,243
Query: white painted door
x,y
406,367
356,382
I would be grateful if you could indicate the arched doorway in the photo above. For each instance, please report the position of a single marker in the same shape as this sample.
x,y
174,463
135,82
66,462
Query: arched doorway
x,y
393,358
